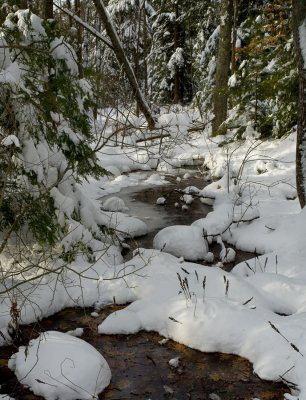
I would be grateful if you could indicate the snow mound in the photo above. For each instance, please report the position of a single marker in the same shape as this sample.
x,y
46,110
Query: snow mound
x,y
227,255
60,366
126,226
121,323
182,241
161,201
156,179
114,204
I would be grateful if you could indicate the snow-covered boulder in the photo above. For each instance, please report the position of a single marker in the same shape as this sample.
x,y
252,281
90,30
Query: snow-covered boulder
x,y
156,179
125,225
227,255
60,366
114,204
161,201
182,241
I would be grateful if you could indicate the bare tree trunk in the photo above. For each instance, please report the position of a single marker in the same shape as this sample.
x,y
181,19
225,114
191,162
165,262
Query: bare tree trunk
x,y
122,59
79,52
177,91
146,49
223,65
235,27
48,9
299,28
23,4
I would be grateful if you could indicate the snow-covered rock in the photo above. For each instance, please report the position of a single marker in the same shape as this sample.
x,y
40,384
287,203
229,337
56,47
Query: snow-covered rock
x,y
161,201
78,332
227,255
125,225
114,204
156,179
60,366
174,362
182,241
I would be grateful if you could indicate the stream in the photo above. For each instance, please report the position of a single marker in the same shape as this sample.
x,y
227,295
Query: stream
x,y
139,362
142,204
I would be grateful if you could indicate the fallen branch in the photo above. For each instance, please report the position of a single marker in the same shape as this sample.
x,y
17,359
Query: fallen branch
x,y
153,137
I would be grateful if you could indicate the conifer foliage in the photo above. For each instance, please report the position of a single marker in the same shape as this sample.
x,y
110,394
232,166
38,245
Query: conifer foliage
x,y
45,144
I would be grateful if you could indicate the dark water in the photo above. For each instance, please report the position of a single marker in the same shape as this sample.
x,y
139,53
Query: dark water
x,y
142,204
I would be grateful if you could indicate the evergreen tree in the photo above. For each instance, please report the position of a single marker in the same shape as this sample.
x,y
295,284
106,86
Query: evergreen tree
x,y
45,147
264,85
175,29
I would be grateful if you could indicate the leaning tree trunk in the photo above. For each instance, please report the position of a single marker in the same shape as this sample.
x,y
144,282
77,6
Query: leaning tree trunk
x,y
299,33
223,65
124,62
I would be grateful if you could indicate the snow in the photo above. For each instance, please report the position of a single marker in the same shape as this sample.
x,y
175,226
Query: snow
x,y
256,311
114,204
232,312
78,332
161,201
180,240
176,60
9,140
174,362
57,365
94,314
62,51
125,225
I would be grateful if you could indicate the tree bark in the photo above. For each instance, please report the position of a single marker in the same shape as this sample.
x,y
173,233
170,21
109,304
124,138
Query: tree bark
x,y
23,4
123,61
48,9
79,50
299,19
223,65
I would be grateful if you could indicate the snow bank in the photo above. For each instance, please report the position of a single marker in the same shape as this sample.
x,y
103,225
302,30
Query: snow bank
x,y
59,366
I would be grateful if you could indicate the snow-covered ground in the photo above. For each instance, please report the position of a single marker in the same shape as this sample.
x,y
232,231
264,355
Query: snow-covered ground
x,y
257,311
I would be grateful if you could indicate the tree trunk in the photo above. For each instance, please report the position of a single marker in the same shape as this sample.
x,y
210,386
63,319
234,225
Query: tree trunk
x,y
223,65
79,50
48,9
177,89
235,27
299,29
123,61
23,4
